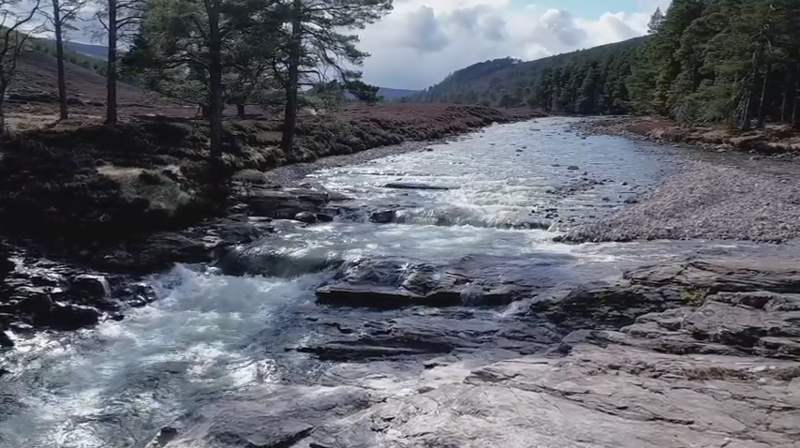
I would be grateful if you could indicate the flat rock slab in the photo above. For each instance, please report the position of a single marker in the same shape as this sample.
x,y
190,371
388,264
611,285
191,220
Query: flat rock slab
x,y
266,417
724,274
595,398
479,280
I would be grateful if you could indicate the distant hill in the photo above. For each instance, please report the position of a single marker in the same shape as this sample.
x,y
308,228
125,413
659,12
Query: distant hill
x,y
95,51
393,94
487,82
98,52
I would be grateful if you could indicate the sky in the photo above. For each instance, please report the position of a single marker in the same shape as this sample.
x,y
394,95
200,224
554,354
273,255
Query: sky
x,y
422,41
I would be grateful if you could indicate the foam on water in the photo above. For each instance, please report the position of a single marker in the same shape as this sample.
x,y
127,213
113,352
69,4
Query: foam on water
x,y
90,387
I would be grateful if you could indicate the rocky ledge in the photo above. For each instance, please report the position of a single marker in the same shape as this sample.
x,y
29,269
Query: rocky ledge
x,y
701,352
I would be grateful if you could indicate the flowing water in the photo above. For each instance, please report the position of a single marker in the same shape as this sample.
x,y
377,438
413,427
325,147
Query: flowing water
x,y
512,188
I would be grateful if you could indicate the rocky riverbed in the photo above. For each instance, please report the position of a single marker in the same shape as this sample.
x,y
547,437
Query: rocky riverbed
x,y
423,296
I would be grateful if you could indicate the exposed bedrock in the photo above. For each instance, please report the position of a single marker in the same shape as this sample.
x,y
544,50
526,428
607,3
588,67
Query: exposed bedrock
x,y
701,352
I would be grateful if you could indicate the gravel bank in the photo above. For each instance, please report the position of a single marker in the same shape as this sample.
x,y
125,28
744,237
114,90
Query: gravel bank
x,y
708,201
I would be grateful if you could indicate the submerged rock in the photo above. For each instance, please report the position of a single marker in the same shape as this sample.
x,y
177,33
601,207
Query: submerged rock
x,y
306,217
383,216
414,186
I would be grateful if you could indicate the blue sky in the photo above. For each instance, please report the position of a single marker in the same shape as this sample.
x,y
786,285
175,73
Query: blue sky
x,y
590,9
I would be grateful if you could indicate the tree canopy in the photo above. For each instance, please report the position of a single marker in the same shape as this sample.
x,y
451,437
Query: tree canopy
x,y
733,61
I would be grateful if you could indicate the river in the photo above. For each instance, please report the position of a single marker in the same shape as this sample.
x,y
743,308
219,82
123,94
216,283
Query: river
x,y
511,190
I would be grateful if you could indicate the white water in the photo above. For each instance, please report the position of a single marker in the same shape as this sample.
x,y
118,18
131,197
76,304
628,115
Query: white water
x,y
117,384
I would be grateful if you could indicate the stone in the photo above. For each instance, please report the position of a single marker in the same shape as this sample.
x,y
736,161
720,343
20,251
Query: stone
x,y
68,317
92,287
573,168
5,339
723,274
479,280
322,217
414,186
383,216
264,417
306,217
286,203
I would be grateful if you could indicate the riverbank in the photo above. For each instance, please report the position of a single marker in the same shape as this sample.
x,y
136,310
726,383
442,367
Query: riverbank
x,y
737,187
773,140
86,209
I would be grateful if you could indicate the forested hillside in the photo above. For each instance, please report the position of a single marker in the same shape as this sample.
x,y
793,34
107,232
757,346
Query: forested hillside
x,y
733,61
588,81
730,61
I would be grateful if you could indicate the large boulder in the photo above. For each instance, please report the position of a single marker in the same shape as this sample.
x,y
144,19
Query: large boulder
x,y
285,203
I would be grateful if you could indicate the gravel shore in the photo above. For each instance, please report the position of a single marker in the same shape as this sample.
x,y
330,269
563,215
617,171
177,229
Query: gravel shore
x,y
708,201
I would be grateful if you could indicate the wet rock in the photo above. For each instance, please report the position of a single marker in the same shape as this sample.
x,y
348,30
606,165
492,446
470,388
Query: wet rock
x,y
601,305
93,287
383,216
432,334
335,196
631,200
306,217
265,417
573,168
414,186
5,341
68,317
480,280
157,252
722,274
322,217
286,203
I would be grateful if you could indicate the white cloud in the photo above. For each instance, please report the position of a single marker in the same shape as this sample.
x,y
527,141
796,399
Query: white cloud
x,y
424,40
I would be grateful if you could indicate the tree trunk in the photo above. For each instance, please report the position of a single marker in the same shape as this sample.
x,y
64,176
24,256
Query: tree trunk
x,y
62,82
796,97
293,75
240,112
2,115
111,80
762,102
215,81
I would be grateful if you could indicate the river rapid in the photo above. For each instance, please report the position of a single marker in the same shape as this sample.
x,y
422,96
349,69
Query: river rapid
x,y
220,328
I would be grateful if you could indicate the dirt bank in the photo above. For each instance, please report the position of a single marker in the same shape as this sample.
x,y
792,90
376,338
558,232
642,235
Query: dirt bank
x,y
773,140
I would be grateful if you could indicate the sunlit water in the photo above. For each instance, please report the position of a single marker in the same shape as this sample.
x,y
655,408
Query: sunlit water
x,y
117,384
